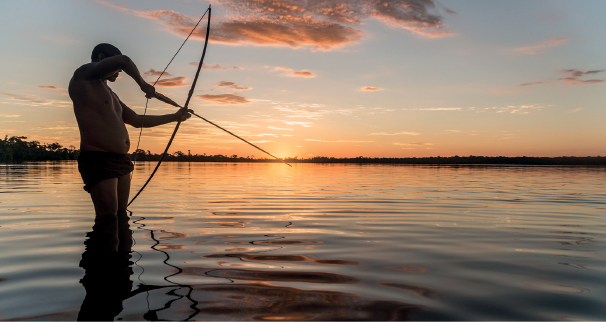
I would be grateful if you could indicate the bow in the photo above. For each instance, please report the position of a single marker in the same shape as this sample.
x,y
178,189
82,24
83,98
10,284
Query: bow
x,y
184,108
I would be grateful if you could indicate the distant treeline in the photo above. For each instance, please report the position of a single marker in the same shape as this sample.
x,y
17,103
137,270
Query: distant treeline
x,y
15,150
142,155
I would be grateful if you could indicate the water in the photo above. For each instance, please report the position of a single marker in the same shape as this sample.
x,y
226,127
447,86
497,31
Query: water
x,y
313,242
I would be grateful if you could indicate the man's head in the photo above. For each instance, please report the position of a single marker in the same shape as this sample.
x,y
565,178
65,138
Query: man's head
x,y
102,51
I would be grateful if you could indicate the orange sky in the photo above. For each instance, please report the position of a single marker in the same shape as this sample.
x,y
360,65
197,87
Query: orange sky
x,y
327,78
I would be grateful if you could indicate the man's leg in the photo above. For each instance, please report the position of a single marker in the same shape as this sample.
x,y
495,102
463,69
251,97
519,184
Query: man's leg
x,y
105,199
124,233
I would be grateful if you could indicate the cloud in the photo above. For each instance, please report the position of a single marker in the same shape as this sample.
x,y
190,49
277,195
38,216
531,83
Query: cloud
x,y
398,133
337,141
9,115
224,98
575,81
277,128
413,144
232,85
433,109
215,66
575,110
371,89
172,82
153,72
537,49
513,109
302,113
535,83
302,74
50,87
321,25
37,102
303,124
283,68
580,72
59,127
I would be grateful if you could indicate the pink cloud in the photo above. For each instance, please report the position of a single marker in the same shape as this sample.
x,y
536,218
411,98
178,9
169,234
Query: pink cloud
x,y
172,82
153,72
580,72
323,25
539,48
215,66
283,68
232,85
302,74
371,89
575,81
50,87
224,98
535,83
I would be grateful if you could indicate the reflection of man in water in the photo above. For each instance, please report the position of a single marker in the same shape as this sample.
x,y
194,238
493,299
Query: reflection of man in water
x,y
106,264
104,142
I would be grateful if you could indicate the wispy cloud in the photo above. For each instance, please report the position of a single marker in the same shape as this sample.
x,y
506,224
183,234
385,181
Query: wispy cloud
x,y
573,77
575,81
323,25
58,127
534,83
371,89
539,48
433,109
232,85
153,72
283,68
413,144
580,72
9,115
337,141
50,87
303,124
517,109
397,133
172,82
575,110
299,112
215,66
224,99
278,128
302,74
35,101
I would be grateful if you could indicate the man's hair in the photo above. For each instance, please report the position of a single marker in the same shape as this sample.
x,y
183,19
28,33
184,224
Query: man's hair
x,y
106,49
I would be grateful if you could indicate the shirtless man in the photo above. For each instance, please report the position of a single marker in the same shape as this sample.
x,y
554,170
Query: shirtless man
x,y
104,143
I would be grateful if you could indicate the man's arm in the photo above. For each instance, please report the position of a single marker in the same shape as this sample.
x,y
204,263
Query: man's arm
x,y
111,65
131,118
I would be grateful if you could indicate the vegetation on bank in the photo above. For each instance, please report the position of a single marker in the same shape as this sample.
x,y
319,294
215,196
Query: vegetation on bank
x,y
16,150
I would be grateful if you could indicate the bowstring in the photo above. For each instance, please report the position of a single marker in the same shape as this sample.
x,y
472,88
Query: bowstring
x,y
162,73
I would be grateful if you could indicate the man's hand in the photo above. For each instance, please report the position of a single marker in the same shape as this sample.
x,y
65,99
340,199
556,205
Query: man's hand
x,y
183,115
148,89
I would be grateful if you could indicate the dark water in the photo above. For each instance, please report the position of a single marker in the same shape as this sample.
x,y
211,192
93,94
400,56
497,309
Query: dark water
x,y
314,242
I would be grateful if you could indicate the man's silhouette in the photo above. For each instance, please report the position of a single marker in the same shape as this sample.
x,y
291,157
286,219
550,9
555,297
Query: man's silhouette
x,y
104,143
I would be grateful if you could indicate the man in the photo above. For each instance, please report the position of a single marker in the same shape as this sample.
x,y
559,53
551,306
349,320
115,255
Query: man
x,y
104,142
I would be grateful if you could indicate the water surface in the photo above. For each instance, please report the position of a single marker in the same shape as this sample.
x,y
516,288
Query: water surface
x,y
220,241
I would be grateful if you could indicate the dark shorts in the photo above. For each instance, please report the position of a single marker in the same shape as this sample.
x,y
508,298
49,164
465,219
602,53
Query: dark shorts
x,y
95,166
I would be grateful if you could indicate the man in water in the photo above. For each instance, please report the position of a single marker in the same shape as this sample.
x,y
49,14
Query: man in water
x,y
104,143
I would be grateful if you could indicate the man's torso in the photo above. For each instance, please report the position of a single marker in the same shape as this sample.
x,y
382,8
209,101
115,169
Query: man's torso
x,y
99,115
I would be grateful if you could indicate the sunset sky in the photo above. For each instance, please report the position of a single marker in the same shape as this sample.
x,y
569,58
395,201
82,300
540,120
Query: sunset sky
x,y
407,78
